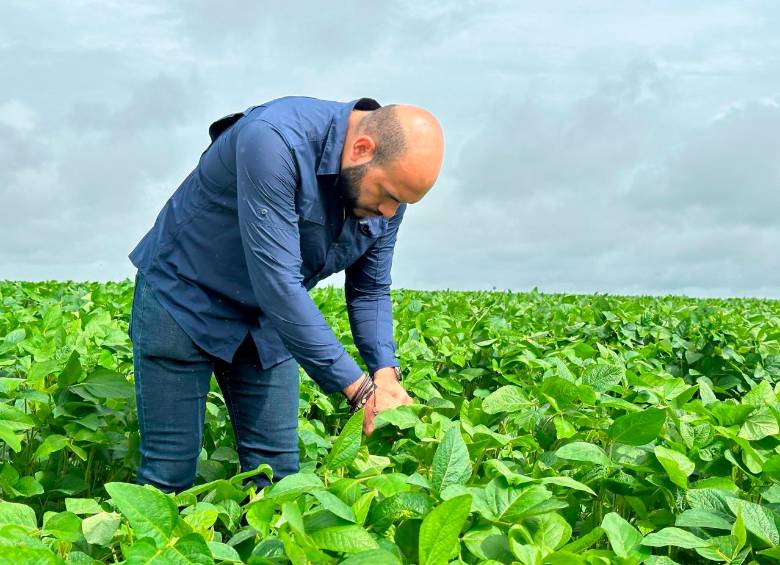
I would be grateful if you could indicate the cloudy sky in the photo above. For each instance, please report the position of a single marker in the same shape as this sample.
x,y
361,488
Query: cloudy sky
x,y
621,147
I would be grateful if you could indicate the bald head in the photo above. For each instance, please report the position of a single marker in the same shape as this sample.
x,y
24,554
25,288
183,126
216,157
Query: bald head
x,y
409,144
391,154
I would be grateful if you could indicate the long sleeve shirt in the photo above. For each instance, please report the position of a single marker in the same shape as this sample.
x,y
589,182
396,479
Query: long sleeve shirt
x,y
255,226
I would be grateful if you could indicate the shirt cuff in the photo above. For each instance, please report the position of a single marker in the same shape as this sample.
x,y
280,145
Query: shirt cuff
x,y
342,373
374,366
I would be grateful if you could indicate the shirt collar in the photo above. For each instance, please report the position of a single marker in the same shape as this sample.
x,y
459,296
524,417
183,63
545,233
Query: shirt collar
x,y
330,162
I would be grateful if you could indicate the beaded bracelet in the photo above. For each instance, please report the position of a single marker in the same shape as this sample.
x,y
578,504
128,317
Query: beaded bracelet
x,y
365,390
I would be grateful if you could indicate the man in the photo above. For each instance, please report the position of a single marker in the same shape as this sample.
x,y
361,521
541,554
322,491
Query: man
x,y
286,194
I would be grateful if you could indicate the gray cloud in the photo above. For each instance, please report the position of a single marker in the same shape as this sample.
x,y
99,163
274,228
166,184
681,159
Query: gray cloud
x,y
729,167
602,147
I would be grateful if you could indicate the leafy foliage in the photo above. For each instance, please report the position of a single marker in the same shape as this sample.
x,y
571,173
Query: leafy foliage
x,y
548,429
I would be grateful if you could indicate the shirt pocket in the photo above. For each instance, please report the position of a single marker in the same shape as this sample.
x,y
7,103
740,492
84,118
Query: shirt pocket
x,y
314,239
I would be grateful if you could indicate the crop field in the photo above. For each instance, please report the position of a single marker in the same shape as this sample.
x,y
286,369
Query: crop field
x,y
546,429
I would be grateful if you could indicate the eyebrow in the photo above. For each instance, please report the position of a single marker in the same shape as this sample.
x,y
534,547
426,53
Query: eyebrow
x,y
391,195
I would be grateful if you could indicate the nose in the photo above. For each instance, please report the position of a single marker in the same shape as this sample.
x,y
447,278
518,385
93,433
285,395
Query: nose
x,y
388,209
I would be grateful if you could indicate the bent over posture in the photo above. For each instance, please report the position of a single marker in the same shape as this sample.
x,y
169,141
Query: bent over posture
x,y
286,194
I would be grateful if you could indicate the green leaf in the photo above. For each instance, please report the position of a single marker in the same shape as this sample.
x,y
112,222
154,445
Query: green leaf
x,y
508,398
567,482
658,560
192,548
104,383
705,392
720,546
584,542
372,557
698,518
65,526
758,520
51,444
402,417
601,377
562,391
399,507
772,467
760,395
624,538
738,530
563,429
15,336
72,371
12,513
583,451
488,542
346,446
15,418
709,499
494,499
261,513
334,504
549,531
677,465
28,486
28,555
150,512
675,537
773,552
292,550
532,500
292,514
638,428
362,506
10,437
99,528
525,553
224,552
82,505
729,414
451,462
440,530
760,424
292,486
349,539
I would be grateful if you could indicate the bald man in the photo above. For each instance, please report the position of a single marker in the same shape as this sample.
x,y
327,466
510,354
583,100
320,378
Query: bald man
x,y
286,194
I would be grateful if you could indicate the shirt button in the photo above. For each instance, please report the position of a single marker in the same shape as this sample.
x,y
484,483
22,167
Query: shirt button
x,y
364,228
263,211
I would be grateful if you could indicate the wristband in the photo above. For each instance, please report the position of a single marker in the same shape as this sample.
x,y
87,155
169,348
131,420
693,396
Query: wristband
x,y
366,389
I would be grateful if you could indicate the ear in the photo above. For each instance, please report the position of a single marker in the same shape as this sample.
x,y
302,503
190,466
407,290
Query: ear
x,y
363,149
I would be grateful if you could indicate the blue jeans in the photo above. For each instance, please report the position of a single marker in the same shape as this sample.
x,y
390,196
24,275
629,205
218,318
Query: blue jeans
x,y
172,377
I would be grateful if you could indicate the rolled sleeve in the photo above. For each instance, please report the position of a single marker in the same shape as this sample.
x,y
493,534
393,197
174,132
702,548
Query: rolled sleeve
x,y
266,183
367,293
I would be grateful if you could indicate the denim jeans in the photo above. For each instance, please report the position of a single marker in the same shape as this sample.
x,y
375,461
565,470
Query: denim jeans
x,y
172,377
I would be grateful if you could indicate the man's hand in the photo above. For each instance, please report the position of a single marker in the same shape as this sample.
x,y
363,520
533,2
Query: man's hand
x,y
389,394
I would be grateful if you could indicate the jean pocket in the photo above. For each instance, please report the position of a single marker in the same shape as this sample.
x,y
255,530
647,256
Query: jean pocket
x,y
159,334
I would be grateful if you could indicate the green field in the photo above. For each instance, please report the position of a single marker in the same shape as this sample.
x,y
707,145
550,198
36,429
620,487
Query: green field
x,y
546,428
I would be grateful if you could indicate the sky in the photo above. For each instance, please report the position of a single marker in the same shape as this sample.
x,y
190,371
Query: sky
x,y
590,147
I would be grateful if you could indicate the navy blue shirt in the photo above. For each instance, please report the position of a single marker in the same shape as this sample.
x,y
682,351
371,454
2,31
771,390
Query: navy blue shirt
x,y
256,225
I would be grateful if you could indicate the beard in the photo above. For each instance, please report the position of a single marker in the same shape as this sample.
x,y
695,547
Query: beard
x,y
348,186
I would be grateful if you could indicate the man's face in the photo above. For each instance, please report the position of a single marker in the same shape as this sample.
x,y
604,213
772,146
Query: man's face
x,y
367,191
349,186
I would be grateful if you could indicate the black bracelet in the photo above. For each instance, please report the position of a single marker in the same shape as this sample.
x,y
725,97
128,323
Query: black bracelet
x,y
365,389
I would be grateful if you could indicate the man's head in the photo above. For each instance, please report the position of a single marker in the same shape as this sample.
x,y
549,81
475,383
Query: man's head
x,y
391,155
